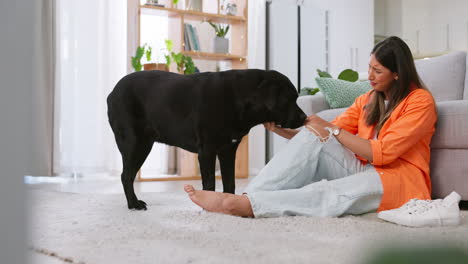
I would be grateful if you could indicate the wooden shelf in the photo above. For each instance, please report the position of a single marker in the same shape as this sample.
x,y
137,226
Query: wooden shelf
x,y
188,162
212,56
195,15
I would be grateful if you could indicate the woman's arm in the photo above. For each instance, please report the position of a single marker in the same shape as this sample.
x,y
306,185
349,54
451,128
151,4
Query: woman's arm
x,y
358,145
284,132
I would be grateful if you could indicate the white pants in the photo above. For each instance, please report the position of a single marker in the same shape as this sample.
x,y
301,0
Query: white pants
x,y
314,178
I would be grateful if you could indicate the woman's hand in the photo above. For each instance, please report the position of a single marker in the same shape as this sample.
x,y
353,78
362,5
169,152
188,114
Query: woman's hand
x,y
317,125
358,145
284,132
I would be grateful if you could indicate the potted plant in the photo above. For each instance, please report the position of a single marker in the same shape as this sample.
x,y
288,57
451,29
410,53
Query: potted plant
x,y
346,75
185,64
149,66
195,5
221,44
146,50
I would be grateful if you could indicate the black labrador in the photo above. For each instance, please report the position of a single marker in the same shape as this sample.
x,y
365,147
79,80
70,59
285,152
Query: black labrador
x,y
205,113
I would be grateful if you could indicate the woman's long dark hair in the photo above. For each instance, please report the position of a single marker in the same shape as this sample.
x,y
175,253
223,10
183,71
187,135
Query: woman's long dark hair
x,y
395,55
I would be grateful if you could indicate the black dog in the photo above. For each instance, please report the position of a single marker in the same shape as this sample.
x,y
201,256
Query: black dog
x,y
205,113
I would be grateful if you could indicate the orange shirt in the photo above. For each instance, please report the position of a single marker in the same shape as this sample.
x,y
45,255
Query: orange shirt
x,y
401,153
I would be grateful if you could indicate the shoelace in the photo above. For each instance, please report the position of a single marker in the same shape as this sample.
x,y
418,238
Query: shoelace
x,y
416,206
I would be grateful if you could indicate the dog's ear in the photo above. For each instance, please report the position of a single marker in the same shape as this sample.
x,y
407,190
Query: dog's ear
x,y
267,94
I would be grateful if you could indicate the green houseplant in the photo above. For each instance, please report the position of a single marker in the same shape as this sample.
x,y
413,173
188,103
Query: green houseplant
x,y
184,63
346,75
147,51
220,30
221,43
136,60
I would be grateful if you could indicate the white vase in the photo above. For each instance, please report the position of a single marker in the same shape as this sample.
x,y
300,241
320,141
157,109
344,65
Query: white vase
x,y
221,45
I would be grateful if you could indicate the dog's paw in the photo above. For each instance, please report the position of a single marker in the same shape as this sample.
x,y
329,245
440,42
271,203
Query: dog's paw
x,y
138,205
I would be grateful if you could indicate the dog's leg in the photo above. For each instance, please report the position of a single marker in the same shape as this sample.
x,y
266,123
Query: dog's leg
x,y
133,156
227,160
207,161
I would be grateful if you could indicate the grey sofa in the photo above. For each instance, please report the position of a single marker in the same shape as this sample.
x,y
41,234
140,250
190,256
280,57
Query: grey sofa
x,y
446,77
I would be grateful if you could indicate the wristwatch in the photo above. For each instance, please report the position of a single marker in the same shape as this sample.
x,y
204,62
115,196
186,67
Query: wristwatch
x,y
336,131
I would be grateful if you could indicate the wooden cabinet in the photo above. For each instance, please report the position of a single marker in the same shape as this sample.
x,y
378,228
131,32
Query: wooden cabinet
x,y
177,16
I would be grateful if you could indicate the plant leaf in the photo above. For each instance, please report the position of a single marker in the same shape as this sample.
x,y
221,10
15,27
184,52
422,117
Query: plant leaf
x,y
168,60
169,45
148,54
348,75
323,74
309,91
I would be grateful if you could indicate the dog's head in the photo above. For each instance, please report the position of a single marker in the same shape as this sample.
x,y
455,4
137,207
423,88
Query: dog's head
x,y
276,96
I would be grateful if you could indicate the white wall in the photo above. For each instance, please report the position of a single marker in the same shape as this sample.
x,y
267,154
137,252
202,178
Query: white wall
x,y
430,27
379,17
313,43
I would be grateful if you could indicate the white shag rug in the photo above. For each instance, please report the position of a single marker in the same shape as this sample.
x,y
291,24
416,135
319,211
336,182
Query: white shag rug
x,y
98,228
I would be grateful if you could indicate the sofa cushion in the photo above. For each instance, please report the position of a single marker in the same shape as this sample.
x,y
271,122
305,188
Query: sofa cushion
x,y
339,93
452,125
444,76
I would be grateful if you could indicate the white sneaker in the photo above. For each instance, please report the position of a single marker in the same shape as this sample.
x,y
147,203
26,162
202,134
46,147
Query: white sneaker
x,y
419,213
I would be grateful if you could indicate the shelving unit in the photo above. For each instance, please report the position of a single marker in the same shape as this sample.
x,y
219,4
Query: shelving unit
x,y
187,161
218,18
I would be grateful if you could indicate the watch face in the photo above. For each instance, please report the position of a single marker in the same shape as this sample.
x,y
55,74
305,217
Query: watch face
x,y
336,131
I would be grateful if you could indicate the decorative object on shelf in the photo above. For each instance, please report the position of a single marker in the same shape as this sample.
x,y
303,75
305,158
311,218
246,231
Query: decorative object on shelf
x,y
185,64
191,40
154,3
195,5
231,9
146,50
182,5
155,66
346,75
221,44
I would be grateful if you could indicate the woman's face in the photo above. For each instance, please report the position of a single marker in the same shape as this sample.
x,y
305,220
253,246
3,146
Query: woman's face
x,y
380,77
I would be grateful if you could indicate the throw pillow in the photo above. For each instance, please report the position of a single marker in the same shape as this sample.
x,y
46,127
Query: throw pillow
x,y
339,93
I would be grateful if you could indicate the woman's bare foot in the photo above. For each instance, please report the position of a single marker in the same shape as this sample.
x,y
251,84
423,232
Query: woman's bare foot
x,y
208,200
225,203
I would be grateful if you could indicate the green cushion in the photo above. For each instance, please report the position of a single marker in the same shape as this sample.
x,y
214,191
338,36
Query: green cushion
x,y
339,93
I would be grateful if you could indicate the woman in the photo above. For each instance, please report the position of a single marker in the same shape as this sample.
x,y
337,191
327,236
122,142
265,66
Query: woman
x,y
374,156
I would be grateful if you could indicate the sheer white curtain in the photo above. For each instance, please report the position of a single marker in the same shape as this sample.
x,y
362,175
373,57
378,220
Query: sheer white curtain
x,y
91,41
91,57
